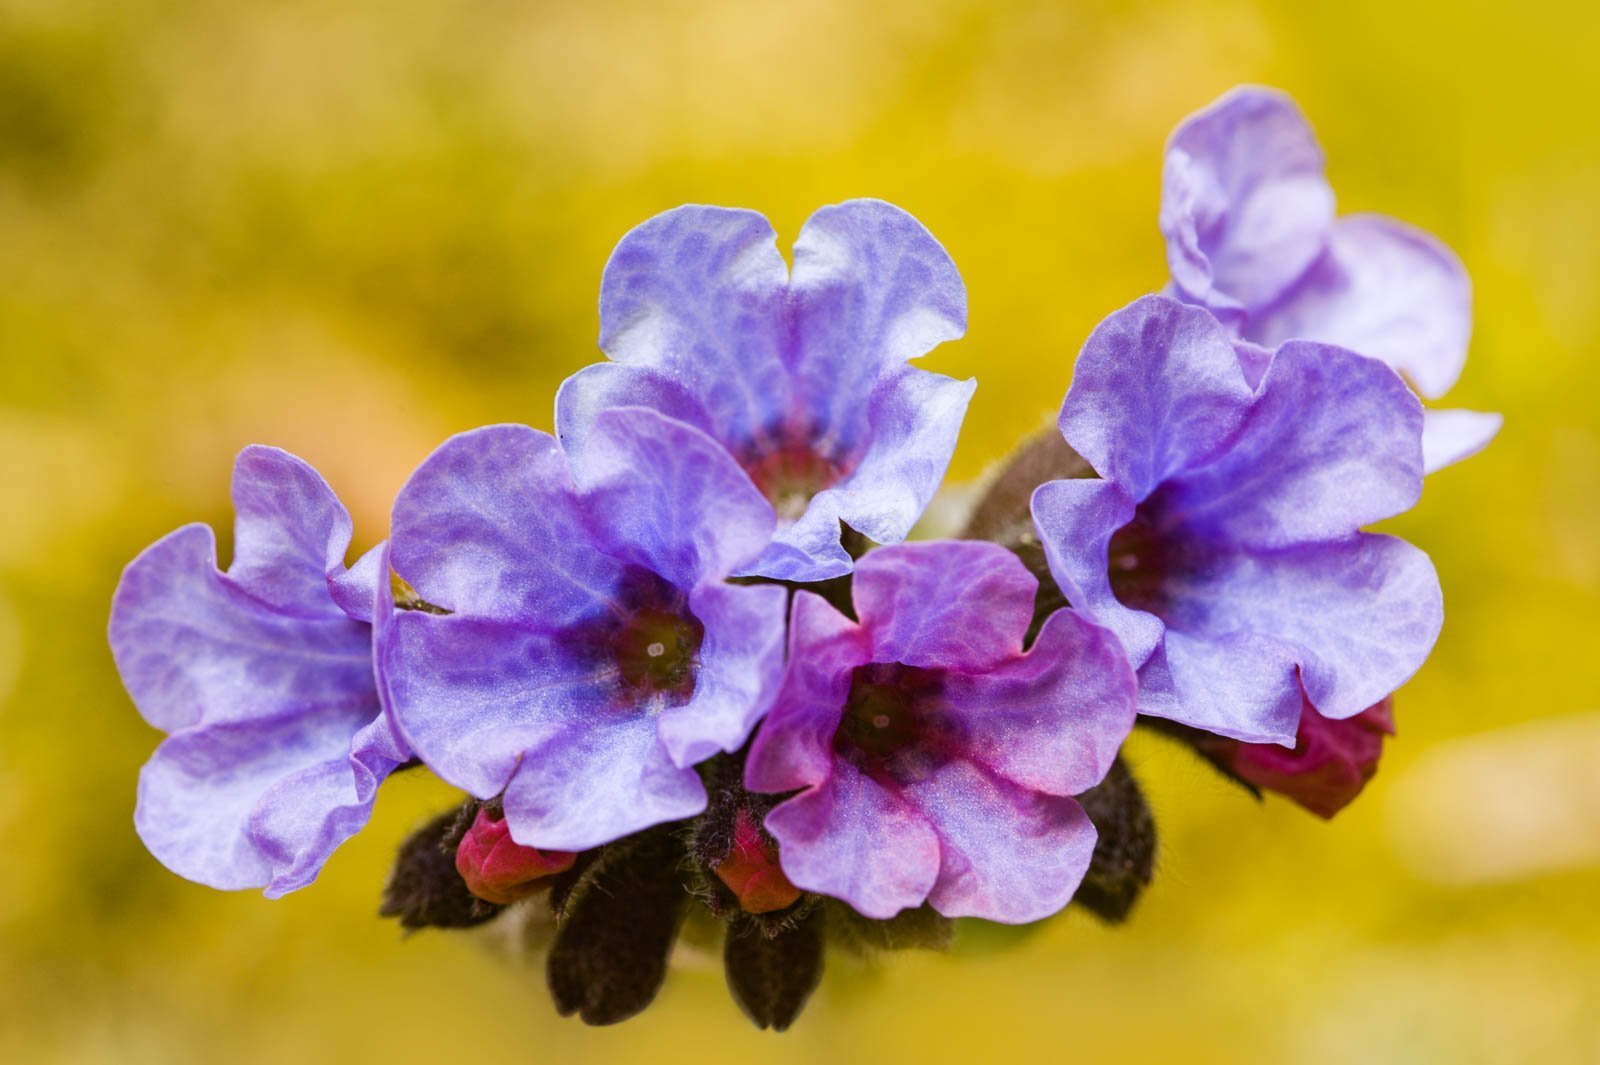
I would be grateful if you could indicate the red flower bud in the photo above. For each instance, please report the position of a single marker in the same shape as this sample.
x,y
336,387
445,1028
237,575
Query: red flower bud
x,y
751,869
1330,764
499,869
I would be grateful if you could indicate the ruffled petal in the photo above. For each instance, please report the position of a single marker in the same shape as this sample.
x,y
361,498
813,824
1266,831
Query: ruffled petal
x,y
598,388
741,664
1006,853
698,293
1387,290
852,839
1241,684
192,646
1157,389
491,524
1076,519
794,746
1051,720
1358,617
871,289
944,604
1330,445
475,696
664,495
604,779
1245,208
290,531
1448,436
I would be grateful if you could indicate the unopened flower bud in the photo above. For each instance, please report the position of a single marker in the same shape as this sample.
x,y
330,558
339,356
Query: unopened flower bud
x,y
499,869
751,869
1330,763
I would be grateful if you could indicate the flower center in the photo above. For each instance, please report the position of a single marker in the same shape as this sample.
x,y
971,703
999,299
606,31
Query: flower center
x,y
1139,563
790,475
894,724
656,650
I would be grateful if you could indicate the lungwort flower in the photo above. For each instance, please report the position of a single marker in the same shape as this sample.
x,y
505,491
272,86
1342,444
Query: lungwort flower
x,y
581,650
1224,543
803,378
1249,222
263,677
938,759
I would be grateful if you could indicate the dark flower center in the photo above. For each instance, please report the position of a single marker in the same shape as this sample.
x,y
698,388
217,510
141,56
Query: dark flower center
x,y
895,724
790,475
649,639
1139,562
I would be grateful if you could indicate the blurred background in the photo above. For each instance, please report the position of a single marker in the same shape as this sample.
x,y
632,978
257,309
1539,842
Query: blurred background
x,y
353,229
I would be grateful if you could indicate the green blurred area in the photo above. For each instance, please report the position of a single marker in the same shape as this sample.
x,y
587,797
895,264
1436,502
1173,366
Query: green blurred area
x,y
352,229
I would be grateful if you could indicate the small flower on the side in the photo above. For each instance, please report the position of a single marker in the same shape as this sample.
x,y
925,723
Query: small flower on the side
x,y
1330,763
751,870
1224,543
802,377
938,760
497,868
262,676
1249,222
588,651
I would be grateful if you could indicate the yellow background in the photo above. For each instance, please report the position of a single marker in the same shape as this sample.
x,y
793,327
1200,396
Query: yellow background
x,y
352,229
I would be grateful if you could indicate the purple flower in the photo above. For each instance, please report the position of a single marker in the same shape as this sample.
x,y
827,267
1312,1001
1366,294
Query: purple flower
x,y
592,652
1249,221
802,378
263,677
1223,544
938,760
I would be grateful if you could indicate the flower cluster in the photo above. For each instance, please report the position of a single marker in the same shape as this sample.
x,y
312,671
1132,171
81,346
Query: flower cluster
x,y
683,665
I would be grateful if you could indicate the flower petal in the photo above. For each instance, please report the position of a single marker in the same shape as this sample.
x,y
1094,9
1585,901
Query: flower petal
x,y
290,531
1448,436
1387,290
871,289
1245,208
945,604
852,839
741,665
1157,389
1051,720
664,495
603,780
1006,853
491,524
594,389
794,746
698,293
1330,445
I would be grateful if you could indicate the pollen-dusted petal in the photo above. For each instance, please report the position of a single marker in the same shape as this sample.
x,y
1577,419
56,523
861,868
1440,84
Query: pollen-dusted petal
x,y
602,779
1245,208
699,294
1157,390
1005,853
872,288
949,604
1330,445
1358,616
853,839
1387,290
741,662
1448,436
1051,720
662,494
490,524
793,748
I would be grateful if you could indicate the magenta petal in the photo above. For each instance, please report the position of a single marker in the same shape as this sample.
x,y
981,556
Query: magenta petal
x,y
855,840
1387,290
1005,854
1245,208
949,604
1157,390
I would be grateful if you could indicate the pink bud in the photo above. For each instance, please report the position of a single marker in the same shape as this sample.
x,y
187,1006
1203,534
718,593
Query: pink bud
x,y
1331,761
499,869
751,869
